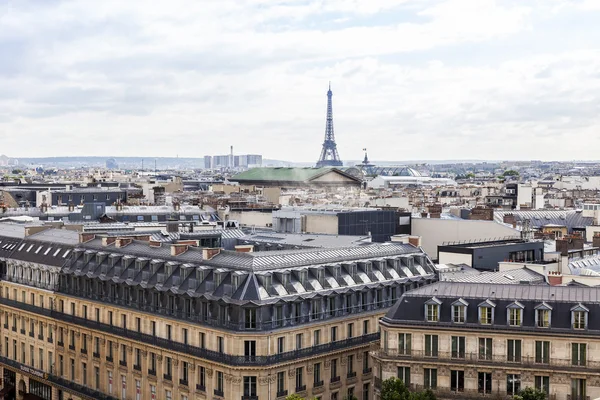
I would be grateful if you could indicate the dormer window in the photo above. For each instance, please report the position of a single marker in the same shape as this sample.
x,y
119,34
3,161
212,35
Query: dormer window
x,y
579,316
459,311
486,312
515,314
542,315
432,310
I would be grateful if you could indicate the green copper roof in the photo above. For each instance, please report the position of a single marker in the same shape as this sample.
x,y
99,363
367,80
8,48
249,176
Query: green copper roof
x,y
280,174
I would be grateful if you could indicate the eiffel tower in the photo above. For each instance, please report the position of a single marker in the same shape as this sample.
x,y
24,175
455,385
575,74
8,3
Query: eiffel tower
x,y
329,154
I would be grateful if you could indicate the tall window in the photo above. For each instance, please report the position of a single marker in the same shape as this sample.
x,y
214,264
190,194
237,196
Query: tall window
x,y
317,337
458,347
542,352
298,341
249,386
184,373
484,382
280,384
334,370
431,345
334,333
457,381
202,378
578,353
459,312
485,348
317,374
404,375
220,381
250,318
430,378
513,384
299,379
579,319
281,344
578,389
250,349
542,383
513,350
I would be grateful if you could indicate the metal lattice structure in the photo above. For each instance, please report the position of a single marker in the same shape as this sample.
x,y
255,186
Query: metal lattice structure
x,y
329,154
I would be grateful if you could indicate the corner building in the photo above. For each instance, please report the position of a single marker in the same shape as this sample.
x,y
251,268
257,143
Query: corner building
x,y
132,318
473,340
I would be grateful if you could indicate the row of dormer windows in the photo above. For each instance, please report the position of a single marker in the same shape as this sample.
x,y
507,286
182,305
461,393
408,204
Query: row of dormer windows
x,y
486,312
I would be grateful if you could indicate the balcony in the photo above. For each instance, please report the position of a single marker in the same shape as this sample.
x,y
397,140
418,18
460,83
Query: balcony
x,y
22,331
167,377
83,351
335,379
137,367
228,359
200,388
318,384
96,355
367,370
300,388
31,334
72,347
5,326
249,397
282,393
60,343
183,382
351,375
41,337
219,393
122,363
152,372
109,359
50,339
525,361
14,328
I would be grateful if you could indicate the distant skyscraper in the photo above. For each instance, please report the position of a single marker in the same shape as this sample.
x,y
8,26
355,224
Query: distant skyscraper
x,y
329,154
207,162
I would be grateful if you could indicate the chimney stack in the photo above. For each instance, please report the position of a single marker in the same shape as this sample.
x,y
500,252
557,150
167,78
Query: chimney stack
x,y
209,252
177,249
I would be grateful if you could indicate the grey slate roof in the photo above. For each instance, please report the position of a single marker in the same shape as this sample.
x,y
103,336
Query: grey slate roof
x,y
569,218
502,277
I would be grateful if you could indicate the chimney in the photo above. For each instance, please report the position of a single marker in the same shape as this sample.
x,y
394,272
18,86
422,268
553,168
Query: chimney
x,y
596,239
155,243
510,219
209,252
108,240
555,278
571,242
415,240
248,248
86,237
122,242
177,249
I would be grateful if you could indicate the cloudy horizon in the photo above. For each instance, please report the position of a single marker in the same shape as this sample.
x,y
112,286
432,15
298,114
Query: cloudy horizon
x,y
411,79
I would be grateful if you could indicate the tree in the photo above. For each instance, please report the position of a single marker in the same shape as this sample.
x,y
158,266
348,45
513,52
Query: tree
x,y
295,396
530,394
395,389
510,172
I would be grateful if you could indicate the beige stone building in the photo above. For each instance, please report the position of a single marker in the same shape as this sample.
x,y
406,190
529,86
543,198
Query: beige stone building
x,y
468,340
85,317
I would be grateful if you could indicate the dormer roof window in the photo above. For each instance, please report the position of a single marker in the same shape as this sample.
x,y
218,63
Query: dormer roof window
x,y
432,309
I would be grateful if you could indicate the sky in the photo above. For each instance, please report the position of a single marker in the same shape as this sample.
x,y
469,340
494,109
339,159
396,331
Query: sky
x,y
411,79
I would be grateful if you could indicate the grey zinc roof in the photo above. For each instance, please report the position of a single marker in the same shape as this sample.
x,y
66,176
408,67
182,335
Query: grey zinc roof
x,y
569,218
63,236
508,292
501,277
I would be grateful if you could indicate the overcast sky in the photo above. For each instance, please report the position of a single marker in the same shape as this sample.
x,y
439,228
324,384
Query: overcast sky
x,y
412,79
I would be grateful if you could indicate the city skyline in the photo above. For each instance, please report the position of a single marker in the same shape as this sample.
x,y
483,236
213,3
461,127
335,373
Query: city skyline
x,y
454,79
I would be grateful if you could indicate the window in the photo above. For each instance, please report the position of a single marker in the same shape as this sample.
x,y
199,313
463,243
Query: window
x,y
298,341
366,391
281,384
315,309
138,359
138,323
281,344
184,335
579,317
366,368
317,337
457,381
96,378
459,311
515,314
168,368
578,389
184,373
578,354
430,378
138,389
202,340
250,349
334,370
432,310
404,343
365,327
168,395
431,345
513,350
484,382
299,379
250,318
334,333
202,378
317,374
513,384
350,365
458,346
350,330
542,315
249,386
84,373
542,383
486,313
542,352
220,344
404,375
169,332
110,382
485,348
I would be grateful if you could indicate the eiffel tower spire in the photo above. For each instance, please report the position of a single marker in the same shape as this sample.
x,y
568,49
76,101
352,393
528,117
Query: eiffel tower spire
x,y
329,154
